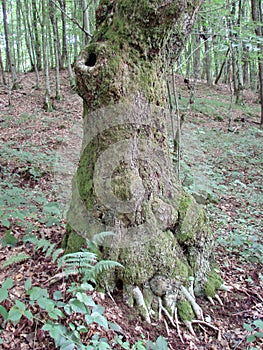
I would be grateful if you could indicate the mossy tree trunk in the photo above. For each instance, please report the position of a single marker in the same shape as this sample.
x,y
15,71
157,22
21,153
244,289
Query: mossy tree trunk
x,y
125,181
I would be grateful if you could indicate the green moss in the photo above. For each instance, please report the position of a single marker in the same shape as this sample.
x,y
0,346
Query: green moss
x,y
183,268
214,282
185,203
185,310
192,219
72,242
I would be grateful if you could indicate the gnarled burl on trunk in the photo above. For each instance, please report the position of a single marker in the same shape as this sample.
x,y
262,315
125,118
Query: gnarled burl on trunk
x,y
125,181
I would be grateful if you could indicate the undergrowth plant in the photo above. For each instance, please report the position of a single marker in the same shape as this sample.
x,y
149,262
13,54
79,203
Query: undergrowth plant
x,y
232,177
22,201
254,334
57,319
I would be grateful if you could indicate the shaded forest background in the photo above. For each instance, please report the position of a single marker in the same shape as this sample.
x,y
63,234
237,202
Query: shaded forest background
x,y
225,45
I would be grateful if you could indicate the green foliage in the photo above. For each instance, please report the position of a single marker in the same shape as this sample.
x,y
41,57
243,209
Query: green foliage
x,y
20,198
234,173
255,332
85,263
59,306
142,344
45,245
9,239
15,259
6,285
56,310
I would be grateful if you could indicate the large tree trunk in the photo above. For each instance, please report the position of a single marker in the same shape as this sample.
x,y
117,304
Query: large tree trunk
x,y
125,181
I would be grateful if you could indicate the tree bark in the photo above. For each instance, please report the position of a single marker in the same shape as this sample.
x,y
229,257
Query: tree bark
x,y
10,60
54,23
256,11
65,51
37,42
125,182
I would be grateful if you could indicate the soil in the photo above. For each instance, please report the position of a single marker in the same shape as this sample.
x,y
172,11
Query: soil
x,y
243,303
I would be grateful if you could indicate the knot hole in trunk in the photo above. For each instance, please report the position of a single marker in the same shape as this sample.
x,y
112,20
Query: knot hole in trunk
x,y
91,60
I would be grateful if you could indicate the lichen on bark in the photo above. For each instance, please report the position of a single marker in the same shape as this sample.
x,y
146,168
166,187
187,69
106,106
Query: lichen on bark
x,y
125,180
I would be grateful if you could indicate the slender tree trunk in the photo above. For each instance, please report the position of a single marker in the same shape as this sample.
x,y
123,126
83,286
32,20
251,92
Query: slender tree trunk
x,y
37,42
10,61
207,57
197,56
30,41
53,19
65,42
20,61
47,103
222,68
234,43
2,69
256,10
125,181
86,20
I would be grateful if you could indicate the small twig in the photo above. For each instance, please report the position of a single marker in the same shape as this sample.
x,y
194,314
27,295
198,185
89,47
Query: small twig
x,y
73,20
200,322
240,342
211,300
217,297
35,334
111,297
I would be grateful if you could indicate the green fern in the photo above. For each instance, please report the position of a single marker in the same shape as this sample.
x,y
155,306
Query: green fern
x,y
15,259
101,266
98,240
46,246
86,264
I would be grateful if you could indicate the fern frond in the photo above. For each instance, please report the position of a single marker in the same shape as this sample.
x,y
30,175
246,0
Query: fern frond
x,y
76,257
50,249
78,262
15,259
56,254
99,238
43,244
99,268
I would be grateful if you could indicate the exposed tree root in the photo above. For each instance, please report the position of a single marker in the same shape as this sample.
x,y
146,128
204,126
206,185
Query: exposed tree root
x,y
141,304
177,325
162,308
172,314
197,309
190,327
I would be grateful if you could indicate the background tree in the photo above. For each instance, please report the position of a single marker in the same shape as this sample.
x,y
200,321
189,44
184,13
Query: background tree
x,y
256,10
125,180
10,60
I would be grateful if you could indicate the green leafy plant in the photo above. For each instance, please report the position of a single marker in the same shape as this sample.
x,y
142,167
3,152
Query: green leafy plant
x,y
9,239
142,344
15,259
45,245
255,332
59,307
86,264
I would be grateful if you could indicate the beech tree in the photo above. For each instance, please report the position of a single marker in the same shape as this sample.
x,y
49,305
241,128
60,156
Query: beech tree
x,y
125,181
10,61
257,16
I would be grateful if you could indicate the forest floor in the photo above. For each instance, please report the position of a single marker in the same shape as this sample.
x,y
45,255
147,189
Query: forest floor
x,y
221,165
